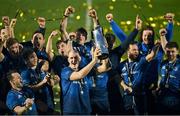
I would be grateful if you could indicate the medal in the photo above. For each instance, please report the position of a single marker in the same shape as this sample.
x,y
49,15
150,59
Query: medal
x,y
166,86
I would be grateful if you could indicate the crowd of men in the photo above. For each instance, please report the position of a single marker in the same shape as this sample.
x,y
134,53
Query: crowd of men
x,y
143,84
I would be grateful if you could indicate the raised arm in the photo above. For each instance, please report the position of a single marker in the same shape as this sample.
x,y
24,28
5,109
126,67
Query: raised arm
x,y
5,31
39,85
133,34
63,24
170,18
93,15
42,25
21,109
153,52
104,67
49,45
162,33
116,29
2,41
76,75
11,28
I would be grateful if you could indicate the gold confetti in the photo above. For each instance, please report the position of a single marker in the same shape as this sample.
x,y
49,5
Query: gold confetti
x,y
150,5
151,19
153,25
105,30
78,17
23,37
135,6
21,14
128,22
111,7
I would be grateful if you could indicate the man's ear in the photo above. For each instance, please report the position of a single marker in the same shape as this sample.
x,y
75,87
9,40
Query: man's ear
x,y
32,40
20,47
12,83
7,49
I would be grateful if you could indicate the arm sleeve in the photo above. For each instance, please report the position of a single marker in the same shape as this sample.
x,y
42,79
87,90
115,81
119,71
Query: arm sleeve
x,y
141,68
65,80
41,30
11,101
118,31
25,78
130,38
124,45
169,29
66,73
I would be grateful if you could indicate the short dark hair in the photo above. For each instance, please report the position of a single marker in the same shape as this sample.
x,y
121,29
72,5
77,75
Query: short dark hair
x,y
9,74
61,41
38,31
26,53
80,31
133,43
110,38
172,45
151,40
11,41
39,66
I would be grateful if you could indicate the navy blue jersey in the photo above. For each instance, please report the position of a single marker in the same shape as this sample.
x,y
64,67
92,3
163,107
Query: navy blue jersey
x,y
17,98
75,94
58,64
10,63
169,96
84,50
46,92
99,92
118,31
31,77
42,54
27,44
116,54
170,75
133,73
6,65
99,86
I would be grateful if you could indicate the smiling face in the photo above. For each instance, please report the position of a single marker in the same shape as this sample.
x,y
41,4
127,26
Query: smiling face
x,y
14,50
172,49
32,60
13,47
81,38
73,59
133,52
146,36
16,82
171,53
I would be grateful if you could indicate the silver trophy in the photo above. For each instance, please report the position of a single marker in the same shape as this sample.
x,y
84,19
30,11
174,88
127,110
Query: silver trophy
x,y
100,43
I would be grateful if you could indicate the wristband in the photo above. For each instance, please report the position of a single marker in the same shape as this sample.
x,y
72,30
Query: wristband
x,y
65,15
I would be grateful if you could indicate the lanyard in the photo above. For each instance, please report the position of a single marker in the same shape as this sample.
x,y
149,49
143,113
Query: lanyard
x,y
130,72
81,83
169,68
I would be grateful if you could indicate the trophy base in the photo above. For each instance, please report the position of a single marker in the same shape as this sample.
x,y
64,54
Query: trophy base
x,y
103,56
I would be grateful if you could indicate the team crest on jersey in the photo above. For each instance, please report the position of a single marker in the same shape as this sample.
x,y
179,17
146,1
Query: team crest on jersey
x,y
175,68
19,96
